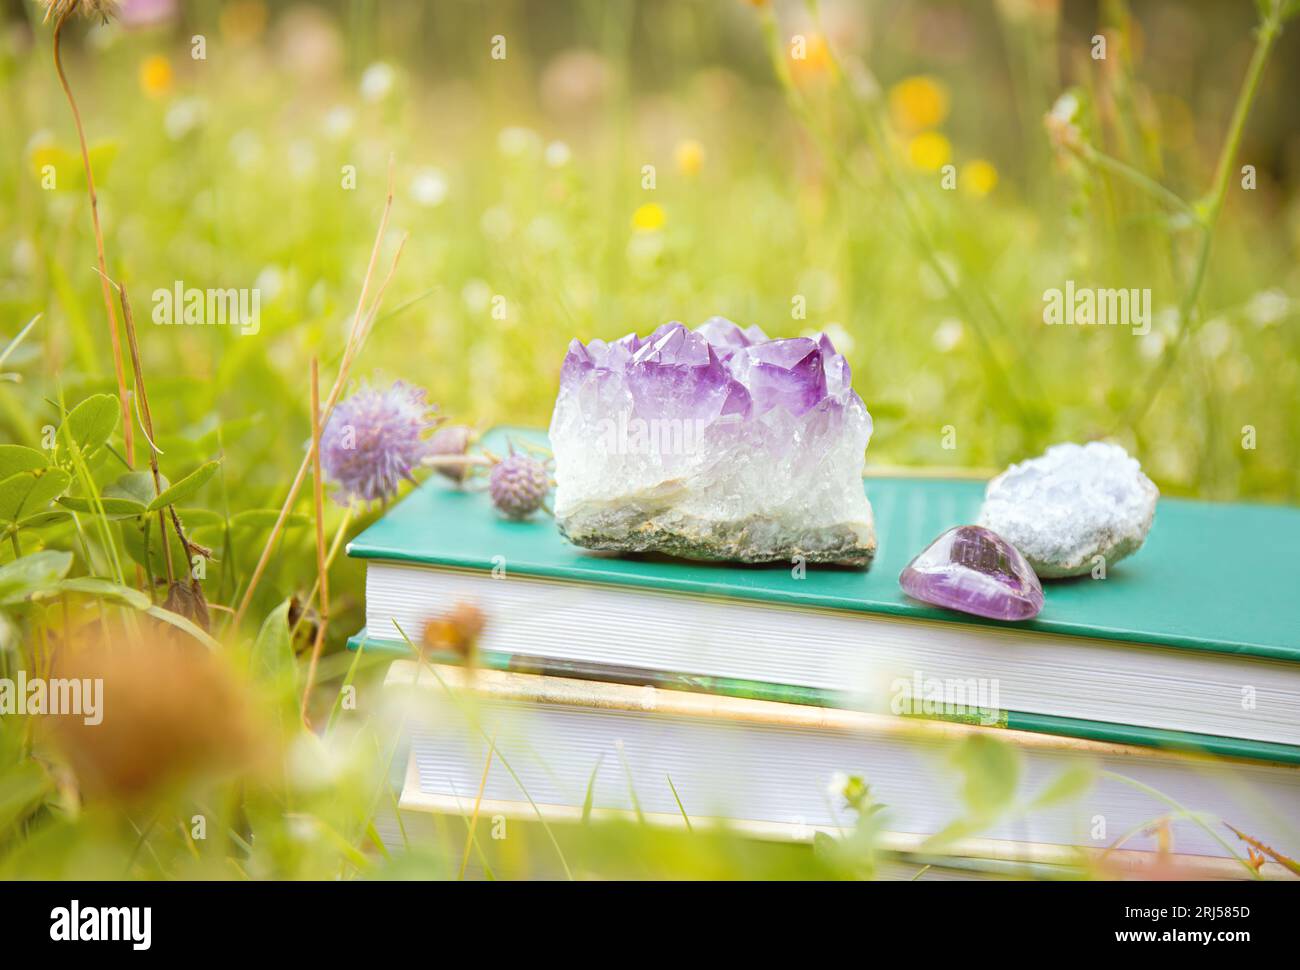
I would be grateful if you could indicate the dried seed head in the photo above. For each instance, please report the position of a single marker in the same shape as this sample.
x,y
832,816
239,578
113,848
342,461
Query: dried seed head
x,y
455,440
1062,123
457,631
518,485
303,618
187,600
57,10
171,712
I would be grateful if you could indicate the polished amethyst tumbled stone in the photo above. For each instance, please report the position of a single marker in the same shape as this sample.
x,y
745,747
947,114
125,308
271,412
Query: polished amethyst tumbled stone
x,y
974,570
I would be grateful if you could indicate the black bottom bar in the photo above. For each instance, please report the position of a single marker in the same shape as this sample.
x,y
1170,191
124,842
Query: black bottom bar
x,y
335,920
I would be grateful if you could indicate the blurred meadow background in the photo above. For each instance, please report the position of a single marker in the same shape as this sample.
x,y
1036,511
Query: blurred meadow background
x,y
908,176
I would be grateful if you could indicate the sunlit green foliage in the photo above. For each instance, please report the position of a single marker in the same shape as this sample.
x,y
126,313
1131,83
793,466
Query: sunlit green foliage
x,y
623,164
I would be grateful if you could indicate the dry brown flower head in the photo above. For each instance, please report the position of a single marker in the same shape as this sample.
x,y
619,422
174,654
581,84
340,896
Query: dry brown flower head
x,y
457,631
172,712
59,10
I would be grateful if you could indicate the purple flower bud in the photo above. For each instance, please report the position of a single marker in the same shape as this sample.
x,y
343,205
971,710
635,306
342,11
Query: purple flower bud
x,y
374,439
518,485
452,440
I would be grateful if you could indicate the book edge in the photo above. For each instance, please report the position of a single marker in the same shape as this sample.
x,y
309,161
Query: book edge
x,y
544,689
1220,747
1063,857
543,573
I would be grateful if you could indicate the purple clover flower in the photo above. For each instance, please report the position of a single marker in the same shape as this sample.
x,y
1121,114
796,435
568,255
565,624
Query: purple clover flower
x,y
374,439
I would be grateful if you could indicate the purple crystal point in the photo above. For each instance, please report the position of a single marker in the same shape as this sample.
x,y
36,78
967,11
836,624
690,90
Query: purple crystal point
x,y
976,571
676,374
579,361
783,373
673,344
727,337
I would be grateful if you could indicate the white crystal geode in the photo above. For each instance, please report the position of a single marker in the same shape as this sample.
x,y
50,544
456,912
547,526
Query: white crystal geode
x,y
1070,505
715,443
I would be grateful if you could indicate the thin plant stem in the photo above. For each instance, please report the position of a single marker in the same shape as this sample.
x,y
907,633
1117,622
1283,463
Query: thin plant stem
x,y
478,804
1185,812
146,420
322,569
1212,206
335,546
339,382
128,432
1108,163
423,664
18,338
162,538
919,237
358,328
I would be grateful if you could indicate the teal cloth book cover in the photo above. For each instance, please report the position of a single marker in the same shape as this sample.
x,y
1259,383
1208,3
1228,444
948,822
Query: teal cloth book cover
x,y
1211,577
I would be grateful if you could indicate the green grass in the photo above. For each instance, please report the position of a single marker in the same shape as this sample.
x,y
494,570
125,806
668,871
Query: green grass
x,y
520,184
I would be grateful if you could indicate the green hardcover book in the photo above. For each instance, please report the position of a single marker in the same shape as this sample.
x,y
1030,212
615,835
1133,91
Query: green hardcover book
x,y
1194,642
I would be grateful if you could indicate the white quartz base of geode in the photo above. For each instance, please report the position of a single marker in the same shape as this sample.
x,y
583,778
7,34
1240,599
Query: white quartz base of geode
x,y
641,524
1070,505
787,490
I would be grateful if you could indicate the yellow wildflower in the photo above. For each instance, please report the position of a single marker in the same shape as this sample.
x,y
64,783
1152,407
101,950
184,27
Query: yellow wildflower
x,y
929,151
690,157
918,103
978,177
648,217
156,76
810,57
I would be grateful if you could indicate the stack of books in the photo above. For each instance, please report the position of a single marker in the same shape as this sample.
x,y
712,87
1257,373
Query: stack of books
x,y
677,690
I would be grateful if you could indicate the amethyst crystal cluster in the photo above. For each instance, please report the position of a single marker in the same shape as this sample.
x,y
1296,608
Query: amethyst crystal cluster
x,y
712,443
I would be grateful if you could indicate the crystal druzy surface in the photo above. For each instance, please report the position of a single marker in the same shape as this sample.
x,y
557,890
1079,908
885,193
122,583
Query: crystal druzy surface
x,y
712,443
976,571
1073,507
